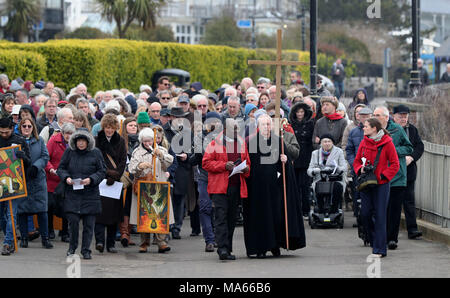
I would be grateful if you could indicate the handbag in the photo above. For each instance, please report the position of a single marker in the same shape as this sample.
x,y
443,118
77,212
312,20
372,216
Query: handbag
x,y
125,179
368,179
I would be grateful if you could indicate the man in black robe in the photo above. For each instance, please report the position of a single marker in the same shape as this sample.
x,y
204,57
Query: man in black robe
x,y
264,214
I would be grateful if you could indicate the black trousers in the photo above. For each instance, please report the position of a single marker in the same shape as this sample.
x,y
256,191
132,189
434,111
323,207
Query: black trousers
x,y
195,220
88,230
409,207
110,234
225,209
396,198
51,213
304,184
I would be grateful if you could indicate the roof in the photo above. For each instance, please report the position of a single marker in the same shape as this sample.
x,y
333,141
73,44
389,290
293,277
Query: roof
x,y
436,6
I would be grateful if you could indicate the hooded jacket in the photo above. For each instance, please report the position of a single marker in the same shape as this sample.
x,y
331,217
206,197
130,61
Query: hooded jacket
x,y
88,163
388,164
355,99
303,131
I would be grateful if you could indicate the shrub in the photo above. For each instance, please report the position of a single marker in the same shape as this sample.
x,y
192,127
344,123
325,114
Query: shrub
x,y
23,64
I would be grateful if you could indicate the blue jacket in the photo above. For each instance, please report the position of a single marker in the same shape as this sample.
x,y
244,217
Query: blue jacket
x,y
355,137
37,200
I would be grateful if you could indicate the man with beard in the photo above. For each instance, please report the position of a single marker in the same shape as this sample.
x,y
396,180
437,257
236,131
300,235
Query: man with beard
x,y
264,214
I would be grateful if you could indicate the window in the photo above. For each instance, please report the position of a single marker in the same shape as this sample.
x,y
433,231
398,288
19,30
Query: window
x,y
55,4
201,30
188,39
188,29
182,39
178,29
182,29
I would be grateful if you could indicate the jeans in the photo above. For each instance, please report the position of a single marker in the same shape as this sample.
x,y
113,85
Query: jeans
x,y
88,231
24,224
409,207
110,234
7,228
178,211
225,209
206,212
396,197
373,213
339,89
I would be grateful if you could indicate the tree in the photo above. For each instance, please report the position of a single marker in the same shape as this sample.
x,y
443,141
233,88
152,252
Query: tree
x,y
21,15
223,31
125,12
158,33
84,33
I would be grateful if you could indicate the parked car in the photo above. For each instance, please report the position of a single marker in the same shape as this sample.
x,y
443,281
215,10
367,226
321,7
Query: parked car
x,y
179,77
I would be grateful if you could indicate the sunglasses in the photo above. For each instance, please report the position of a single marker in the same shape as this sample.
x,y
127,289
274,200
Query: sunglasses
x,y
27,126
166,98
202,106
166,84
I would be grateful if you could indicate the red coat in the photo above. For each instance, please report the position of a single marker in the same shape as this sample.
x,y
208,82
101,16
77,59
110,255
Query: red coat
x,y
214,161
56,148
369,149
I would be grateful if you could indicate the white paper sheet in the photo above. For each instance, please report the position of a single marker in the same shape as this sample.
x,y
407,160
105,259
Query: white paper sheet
x,y
239,168
77,184
110,191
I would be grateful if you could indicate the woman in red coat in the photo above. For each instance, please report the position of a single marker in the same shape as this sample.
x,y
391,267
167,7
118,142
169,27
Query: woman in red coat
x,y
374,200
56,147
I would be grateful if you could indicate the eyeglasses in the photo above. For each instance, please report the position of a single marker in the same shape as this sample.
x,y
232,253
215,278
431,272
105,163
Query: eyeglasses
x,y
377,115
156,111
165,98
202,106
166,84
27,126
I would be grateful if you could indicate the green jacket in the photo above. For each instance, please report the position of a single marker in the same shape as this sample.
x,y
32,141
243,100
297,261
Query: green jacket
x,y
403,147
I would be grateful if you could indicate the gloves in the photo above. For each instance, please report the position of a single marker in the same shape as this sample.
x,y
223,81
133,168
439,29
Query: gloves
x,y
109,181
113,174
32,172
21,154
382,177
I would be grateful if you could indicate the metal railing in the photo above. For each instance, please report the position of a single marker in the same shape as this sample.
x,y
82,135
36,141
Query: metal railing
x,y
433,185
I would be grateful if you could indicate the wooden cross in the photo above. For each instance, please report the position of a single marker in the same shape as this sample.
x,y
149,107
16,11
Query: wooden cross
x,y
278,64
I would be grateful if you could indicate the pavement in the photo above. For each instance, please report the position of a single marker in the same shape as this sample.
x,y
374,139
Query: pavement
x,y
329,253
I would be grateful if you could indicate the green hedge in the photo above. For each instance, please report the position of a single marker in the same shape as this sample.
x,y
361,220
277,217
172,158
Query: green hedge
x,y
26,65
112,63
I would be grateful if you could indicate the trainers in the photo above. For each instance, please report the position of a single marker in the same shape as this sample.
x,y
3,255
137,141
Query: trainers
x,y
209,247
6,251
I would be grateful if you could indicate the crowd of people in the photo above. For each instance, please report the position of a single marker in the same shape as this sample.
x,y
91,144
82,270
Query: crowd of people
x,y
195,139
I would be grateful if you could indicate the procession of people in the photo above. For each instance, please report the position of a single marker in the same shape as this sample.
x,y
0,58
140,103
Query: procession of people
x,y
226,155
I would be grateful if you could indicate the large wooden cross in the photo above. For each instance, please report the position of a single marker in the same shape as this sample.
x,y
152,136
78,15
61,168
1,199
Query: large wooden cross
x,y
278,63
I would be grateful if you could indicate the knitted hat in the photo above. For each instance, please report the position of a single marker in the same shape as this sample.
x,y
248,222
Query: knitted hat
x,y
249,107
326,136
331,99
143,118
213,115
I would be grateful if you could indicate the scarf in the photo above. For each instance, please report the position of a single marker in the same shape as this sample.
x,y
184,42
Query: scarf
x,y
325,155
378,136
334,116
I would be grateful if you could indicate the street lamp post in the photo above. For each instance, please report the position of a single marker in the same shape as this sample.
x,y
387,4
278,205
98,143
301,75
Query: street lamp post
x,y
415,74
313,46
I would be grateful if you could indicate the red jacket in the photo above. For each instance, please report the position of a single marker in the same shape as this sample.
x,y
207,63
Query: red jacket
x,y
56,148
388,164
214,161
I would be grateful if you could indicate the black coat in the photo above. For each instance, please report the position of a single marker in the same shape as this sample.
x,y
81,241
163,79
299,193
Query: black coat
x,y
416,141
303,132
116,149
264,217
82,164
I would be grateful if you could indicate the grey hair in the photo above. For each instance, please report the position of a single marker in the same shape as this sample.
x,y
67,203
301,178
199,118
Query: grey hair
x,y
61,113
4,77
255,96
41,95
234,98
81,100
232,89
198,97
146,133
165,92
68,128
50,100
252,90
384,109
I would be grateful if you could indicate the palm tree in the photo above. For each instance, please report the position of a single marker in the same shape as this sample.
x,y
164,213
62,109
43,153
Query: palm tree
x,y
125,12
21,15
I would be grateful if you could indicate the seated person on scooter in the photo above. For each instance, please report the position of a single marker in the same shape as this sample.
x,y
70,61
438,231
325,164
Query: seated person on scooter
x,y
328,157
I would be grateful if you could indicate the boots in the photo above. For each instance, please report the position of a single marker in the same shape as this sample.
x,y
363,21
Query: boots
x,y
130,228
145,242
124,231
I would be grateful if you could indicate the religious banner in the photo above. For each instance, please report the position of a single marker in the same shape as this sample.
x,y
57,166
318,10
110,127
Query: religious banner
x,y
12,175
153,207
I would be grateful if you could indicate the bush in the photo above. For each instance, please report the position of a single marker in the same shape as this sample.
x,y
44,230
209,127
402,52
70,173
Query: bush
x,y
26,65
115,63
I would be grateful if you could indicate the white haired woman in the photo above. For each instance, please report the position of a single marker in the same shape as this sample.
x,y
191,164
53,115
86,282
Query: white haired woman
x,y
141,166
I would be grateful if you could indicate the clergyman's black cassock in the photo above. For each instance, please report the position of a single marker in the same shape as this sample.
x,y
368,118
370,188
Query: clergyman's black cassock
x,y
264,217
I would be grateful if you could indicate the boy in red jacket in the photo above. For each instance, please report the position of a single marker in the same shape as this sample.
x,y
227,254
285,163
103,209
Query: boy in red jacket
x,y
219,160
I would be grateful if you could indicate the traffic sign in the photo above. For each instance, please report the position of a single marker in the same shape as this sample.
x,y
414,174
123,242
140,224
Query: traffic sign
x,y
244,23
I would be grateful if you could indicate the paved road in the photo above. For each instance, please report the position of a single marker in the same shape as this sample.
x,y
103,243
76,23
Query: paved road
x,y
329,253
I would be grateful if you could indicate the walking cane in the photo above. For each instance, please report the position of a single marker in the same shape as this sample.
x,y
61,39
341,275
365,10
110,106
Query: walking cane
x,y
284,189
154,155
